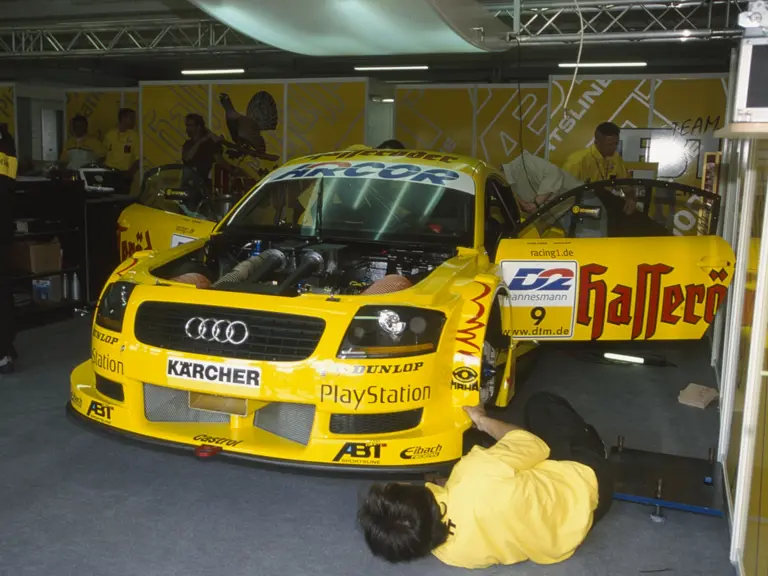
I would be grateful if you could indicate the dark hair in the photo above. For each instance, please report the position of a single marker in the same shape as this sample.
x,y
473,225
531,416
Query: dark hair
x,y
607,129
79,118
197,119
401,522
124,112
391,145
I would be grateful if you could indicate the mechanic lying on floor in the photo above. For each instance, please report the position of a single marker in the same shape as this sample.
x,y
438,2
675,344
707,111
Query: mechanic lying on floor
x,y
534,495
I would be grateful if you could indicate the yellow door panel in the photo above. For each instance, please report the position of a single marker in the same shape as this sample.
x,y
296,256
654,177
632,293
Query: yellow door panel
x,y
140,227
658,288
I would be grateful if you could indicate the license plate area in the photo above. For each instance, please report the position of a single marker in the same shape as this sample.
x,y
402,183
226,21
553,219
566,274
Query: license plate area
x,y
220,404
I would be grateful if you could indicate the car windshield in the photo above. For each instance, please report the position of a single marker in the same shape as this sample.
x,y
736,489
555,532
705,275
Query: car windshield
x,y
379,201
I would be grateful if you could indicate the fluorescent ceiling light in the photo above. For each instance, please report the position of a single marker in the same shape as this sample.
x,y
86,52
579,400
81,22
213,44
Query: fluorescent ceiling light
x,y
603,64
212,72
374,68
624,358
387,99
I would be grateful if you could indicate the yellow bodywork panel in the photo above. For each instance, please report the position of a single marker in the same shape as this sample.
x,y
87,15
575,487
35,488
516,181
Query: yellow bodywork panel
x,y
149,377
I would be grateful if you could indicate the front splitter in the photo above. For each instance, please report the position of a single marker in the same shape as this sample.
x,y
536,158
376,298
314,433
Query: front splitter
x,y
334,469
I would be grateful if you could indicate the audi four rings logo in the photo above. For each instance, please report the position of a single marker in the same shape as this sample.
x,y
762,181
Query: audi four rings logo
x,y
213,330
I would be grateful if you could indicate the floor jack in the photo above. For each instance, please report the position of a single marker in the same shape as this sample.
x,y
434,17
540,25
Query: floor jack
x,y
667,481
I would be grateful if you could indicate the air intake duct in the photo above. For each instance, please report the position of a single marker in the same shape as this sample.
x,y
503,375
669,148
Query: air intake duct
x,y
252,269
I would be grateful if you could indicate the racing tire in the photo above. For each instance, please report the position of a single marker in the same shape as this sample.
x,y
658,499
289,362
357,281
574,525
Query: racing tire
x,y
495,356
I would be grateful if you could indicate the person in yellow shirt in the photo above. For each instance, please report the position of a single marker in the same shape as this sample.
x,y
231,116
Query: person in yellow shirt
x,y
122,145
534,495
80,148
601,161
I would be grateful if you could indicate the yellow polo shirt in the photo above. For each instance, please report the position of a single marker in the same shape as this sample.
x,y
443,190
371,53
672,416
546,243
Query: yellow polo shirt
x,y
508,503
122,149
589,165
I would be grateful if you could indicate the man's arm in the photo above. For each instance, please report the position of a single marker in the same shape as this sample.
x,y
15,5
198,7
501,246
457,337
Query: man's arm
x,y
573,165
494,428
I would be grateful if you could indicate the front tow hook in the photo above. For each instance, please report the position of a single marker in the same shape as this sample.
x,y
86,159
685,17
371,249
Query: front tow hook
x,y
206,451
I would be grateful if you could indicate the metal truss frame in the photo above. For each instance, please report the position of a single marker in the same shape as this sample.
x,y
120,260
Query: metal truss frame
x,y
559,21
532,22
200,36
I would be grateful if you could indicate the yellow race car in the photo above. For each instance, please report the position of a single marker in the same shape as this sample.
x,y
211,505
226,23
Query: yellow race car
x,y
349,307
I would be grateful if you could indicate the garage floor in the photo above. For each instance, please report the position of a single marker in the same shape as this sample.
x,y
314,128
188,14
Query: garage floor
x,y
76,503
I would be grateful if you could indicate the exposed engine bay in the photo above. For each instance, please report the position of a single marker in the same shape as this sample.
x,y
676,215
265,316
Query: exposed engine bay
x,y
293,267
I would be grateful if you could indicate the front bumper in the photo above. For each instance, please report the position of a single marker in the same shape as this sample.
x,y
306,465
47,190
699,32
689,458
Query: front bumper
x,y
415,451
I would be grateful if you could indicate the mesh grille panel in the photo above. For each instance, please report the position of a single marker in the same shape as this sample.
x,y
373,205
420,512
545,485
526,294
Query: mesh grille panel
x,y
168,405
271,336
287,420
375,423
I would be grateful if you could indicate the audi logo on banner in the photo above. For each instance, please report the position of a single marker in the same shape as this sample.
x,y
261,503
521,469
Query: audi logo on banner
x,y
213,330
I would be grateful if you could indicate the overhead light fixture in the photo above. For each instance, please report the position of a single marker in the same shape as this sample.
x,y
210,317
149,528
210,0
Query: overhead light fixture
x,y
603,65
388,100
379,68
213,72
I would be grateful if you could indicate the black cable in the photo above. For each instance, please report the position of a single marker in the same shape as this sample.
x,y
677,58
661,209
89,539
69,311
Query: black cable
x,y
520,134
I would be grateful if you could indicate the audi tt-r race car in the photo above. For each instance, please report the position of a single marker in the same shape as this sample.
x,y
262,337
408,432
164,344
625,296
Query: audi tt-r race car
x,y
343,313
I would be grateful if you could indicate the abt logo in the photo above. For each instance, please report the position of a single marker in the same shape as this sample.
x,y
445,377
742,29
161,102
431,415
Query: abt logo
x,y
552,279
100,410
359,451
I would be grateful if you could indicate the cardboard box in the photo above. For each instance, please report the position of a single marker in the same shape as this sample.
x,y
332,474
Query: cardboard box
x,y
37,257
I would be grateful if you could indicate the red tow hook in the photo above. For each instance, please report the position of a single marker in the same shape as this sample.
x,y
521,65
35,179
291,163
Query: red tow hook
x,y
206,451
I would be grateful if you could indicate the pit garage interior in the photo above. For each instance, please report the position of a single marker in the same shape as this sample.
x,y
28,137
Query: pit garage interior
x,y
493,83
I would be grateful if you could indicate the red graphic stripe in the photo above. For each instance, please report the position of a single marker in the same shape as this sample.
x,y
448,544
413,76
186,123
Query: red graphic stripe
x,y
467,335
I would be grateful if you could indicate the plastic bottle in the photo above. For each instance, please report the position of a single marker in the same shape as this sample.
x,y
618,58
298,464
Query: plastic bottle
x,y
76,288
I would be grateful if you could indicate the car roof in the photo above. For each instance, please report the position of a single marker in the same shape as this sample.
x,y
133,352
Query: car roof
x,y
457,162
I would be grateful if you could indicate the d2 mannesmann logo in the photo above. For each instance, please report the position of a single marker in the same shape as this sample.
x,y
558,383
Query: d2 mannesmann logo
x,y
541,283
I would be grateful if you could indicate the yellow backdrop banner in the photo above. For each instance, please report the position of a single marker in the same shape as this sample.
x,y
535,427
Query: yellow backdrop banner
x,y
8,108
325,116
626,103
692,109
131,100
163,112
99,108
240,95
501,113
436,118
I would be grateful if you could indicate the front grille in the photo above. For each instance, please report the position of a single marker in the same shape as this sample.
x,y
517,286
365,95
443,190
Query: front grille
x,y
168,405
287,420
272,337
110,389
375,423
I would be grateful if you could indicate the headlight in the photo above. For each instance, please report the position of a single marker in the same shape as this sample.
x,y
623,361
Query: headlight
x,y
111,309
392,331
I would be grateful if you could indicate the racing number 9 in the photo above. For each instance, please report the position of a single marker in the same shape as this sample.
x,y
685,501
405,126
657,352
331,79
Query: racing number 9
x,y
538,314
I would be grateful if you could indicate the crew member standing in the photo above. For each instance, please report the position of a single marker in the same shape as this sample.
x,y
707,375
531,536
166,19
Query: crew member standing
x,y
601,161
203,149
122,146
8,169
80,148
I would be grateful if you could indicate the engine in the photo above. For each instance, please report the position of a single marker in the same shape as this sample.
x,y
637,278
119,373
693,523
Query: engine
x,y
291,268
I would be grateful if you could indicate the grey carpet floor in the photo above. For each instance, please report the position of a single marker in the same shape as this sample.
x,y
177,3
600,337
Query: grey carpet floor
x,y
76,503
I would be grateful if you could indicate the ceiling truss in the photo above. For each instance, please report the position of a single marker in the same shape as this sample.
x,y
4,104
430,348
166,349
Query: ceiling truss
x,y
531,22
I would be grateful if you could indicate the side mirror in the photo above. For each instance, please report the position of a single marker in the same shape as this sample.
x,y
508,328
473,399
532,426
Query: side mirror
x,y
593,212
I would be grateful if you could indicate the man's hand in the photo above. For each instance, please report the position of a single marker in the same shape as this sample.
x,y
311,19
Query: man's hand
x,y
528,207
476,414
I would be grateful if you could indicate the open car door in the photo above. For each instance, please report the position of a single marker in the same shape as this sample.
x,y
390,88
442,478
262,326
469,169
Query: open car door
x,y
581,268
174,207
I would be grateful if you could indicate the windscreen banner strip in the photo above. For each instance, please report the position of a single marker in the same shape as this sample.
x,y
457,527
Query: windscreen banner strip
x,y
377,170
